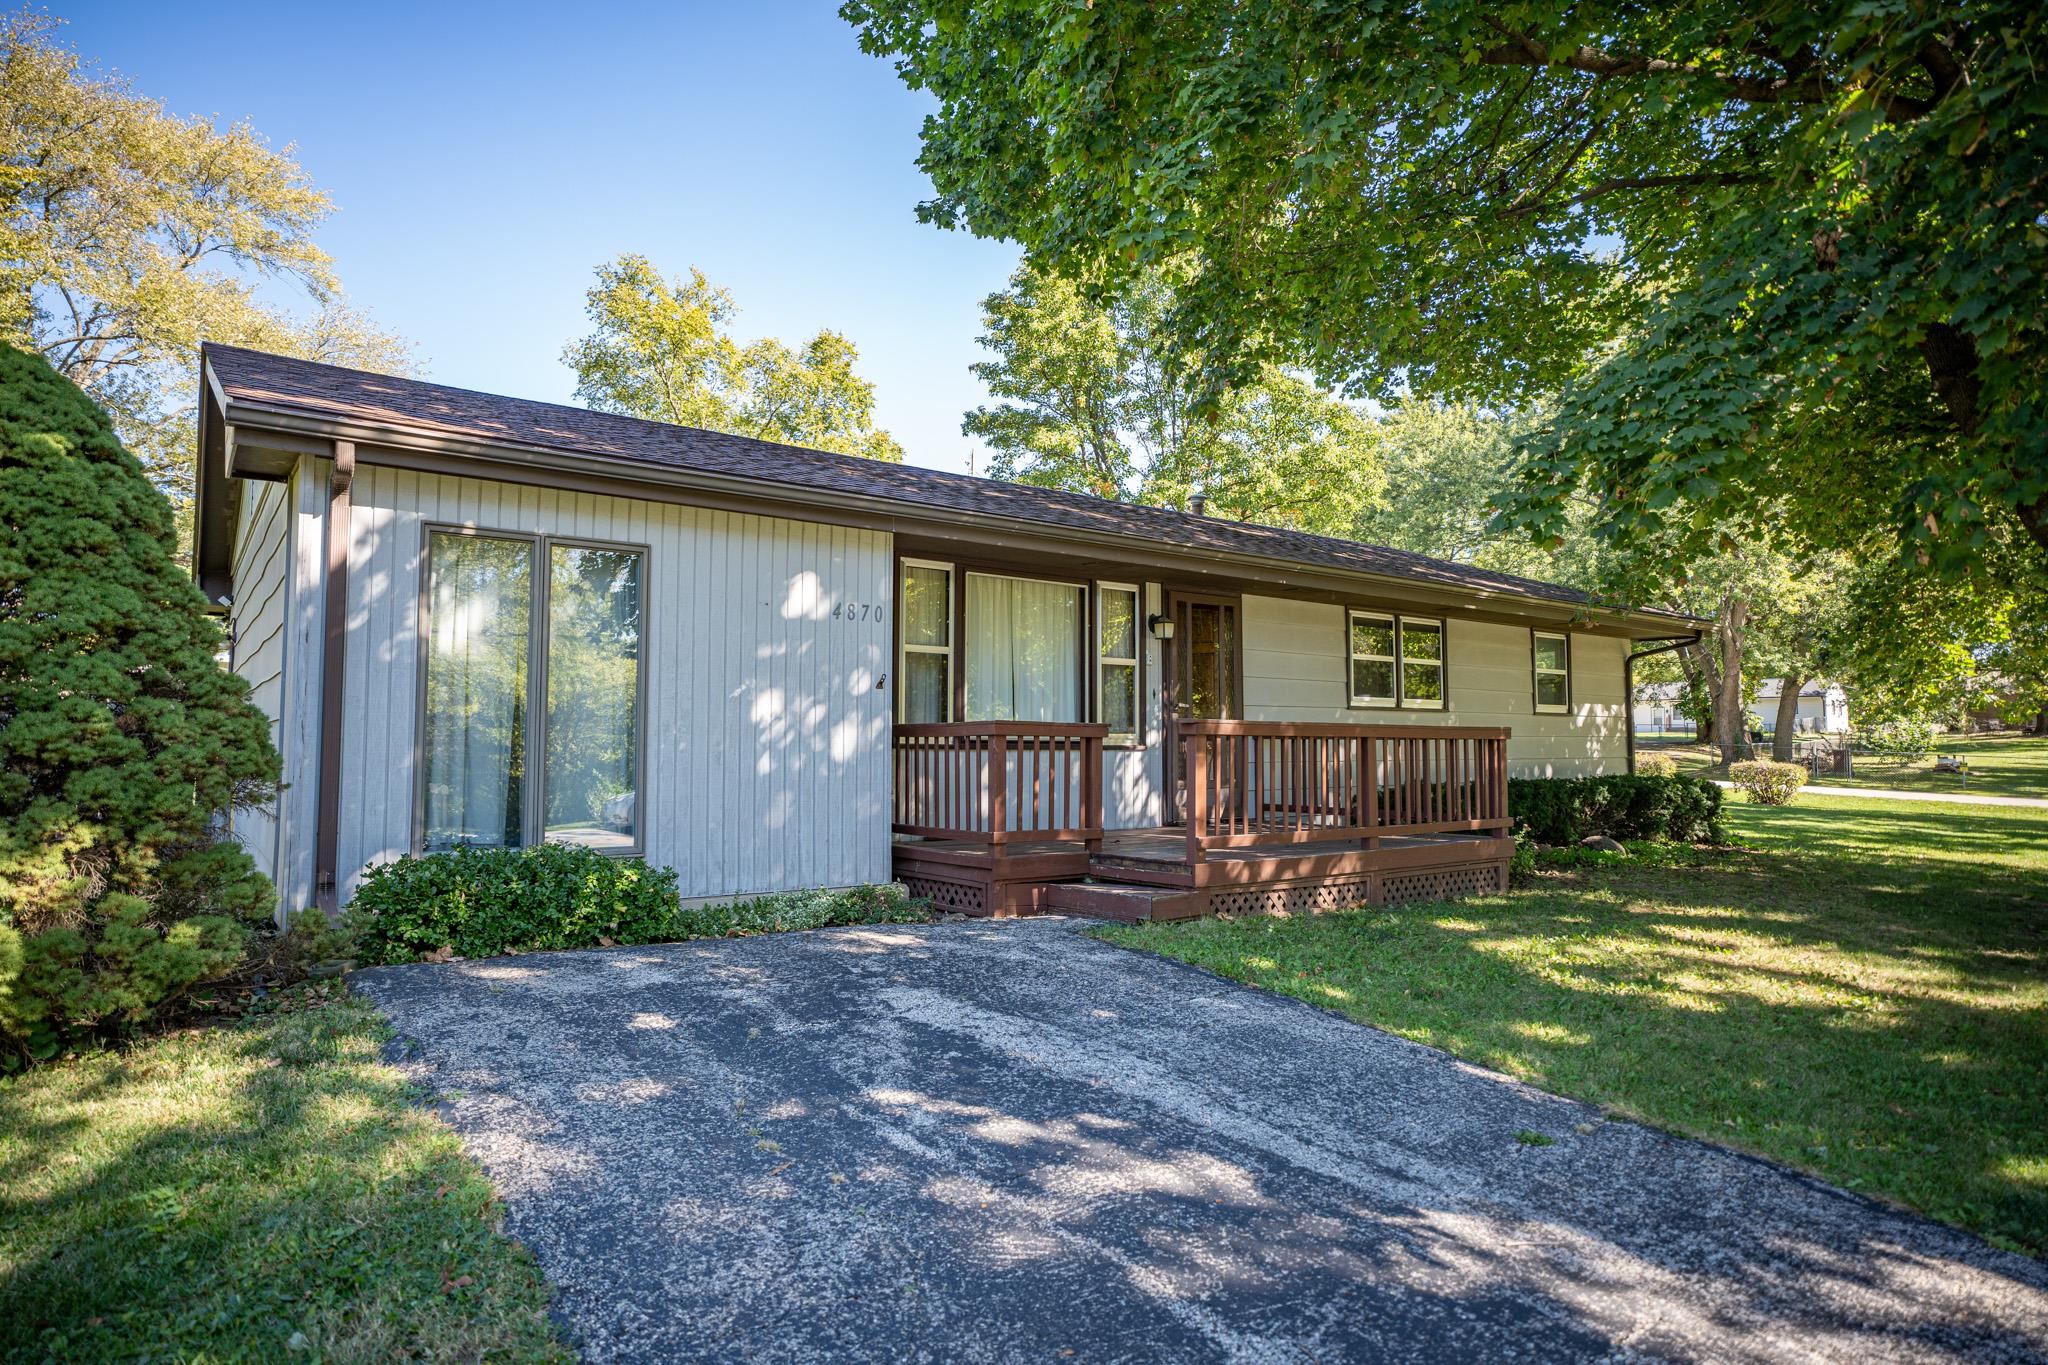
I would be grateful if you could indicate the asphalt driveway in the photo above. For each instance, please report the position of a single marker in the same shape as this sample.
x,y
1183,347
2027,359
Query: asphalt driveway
x,y
1011,1142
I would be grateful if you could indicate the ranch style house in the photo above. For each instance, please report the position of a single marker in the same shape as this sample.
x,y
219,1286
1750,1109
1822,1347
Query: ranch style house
x,y
476,620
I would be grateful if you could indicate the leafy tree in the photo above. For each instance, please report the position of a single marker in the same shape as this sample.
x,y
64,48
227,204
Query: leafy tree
x,y
1784,261
129,235
121,738
1919,649
662,349
1445,464
1092,399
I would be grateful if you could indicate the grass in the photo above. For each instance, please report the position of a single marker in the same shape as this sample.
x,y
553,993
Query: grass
x,y
1861,991
265,1191
2000,765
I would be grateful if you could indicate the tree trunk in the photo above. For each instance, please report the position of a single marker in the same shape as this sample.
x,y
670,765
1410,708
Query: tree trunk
x,y
1689,668
1788,717
1725,676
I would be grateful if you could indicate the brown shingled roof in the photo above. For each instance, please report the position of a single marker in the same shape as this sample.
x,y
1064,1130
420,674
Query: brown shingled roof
x,y
280,383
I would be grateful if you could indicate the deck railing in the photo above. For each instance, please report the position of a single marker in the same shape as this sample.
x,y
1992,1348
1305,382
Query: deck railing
x,y
1251,783
995,782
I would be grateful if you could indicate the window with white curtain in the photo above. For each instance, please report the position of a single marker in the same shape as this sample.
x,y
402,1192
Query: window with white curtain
x,y
1116,661
924,687
498,609
479,615
1023,649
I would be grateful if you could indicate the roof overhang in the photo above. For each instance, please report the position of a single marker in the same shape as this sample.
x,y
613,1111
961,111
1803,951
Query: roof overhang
x,y
241,440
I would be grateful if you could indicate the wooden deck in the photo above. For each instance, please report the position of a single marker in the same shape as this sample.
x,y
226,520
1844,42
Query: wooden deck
x,y
1004,819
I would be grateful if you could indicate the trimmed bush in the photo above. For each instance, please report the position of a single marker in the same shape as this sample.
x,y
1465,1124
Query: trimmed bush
x,y
1564,810
122,740
482,902
1656,765
1766,782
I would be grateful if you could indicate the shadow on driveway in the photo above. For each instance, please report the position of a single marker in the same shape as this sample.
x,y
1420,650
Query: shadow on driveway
x,y
1012,1142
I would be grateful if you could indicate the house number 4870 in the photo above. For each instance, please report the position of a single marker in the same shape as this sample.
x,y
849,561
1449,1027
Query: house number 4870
x,y
856,611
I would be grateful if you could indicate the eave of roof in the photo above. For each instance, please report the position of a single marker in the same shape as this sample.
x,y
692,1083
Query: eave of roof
x,y
400,421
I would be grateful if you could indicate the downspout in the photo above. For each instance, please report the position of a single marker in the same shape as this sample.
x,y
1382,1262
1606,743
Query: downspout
x,y
327,840
1628,686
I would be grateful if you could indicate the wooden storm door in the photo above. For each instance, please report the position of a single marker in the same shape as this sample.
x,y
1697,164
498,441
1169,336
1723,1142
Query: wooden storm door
x,y
1201,678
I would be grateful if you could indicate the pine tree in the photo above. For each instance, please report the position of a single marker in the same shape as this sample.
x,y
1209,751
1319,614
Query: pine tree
x,y
122,739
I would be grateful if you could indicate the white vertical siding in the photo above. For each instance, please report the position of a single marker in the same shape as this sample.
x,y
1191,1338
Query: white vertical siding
x,y
304,652
260,575
1296,659
767,734
1130,786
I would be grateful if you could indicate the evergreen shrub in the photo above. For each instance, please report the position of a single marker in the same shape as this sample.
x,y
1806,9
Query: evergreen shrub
x,y
123,742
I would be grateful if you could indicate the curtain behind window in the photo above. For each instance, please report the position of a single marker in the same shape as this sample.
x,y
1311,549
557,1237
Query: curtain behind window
x,y
480,593
1023,649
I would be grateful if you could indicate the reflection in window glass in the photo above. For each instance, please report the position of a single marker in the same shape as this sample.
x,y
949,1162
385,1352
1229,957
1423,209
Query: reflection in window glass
x,y
1372,679
1552,654
1372,659
925,679
593,682
1118,661
479,596
1422,667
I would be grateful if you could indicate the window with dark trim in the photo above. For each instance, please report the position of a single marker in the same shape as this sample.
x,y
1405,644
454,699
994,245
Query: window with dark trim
x,y
924,691
1395,660
531,692
1117,637
1550,661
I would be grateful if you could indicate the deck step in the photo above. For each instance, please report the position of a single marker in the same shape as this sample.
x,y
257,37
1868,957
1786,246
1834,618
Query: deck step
x,y
1123,902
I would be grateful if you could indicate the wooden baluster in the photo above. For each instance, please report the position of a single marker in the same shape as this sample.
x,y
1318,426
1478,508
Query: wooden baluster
x,y
1196,758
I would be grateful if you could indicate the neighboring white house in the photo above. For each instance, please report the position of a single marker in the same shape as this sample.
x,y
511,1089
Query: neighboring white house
x,y
480,620
1823,708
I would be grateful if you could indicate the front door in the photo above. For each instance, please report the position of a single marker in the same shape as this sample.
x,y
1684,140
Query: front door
x,y
1201,678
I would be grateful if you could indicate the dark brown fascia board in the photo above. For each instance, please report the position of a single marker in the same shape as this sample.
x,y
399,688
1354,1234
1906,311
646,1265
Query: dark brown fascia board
x,y
213,498
274,437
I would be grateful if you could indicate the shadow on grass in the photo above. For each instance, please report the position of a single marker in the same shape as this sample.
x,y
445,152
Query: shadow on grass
x,y
250,1193
1887,1030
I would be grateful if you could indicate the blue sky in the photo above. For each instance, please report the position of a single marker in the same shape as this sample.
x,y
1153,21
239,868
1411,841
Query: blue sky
x,y
484,160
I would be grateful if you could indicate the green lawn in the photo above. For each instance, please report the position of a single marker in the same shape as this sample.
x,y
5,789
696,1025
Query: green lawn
x,y
1862,991
2000,765
259,1192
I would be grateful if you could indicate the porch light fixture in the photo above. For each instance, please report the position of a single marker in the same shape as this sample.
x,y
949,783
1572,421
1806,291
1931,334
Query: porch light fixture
x,y
1160,626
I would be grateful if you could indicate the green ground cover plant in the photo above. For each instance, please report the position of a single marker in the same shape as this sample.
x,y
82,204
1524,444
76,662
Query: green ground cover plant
x,y
1859,990
264,1191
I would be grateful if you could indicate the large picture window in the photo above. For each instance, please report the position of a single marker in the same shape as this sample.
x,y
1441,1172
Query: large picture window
x,y
1116,660
1551,658
1396,661
1023,649
507,618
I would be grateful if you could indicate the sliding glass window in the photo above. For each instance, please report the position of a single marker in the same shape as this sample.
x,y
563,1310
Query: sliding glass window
x,y
1396,660
498,611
